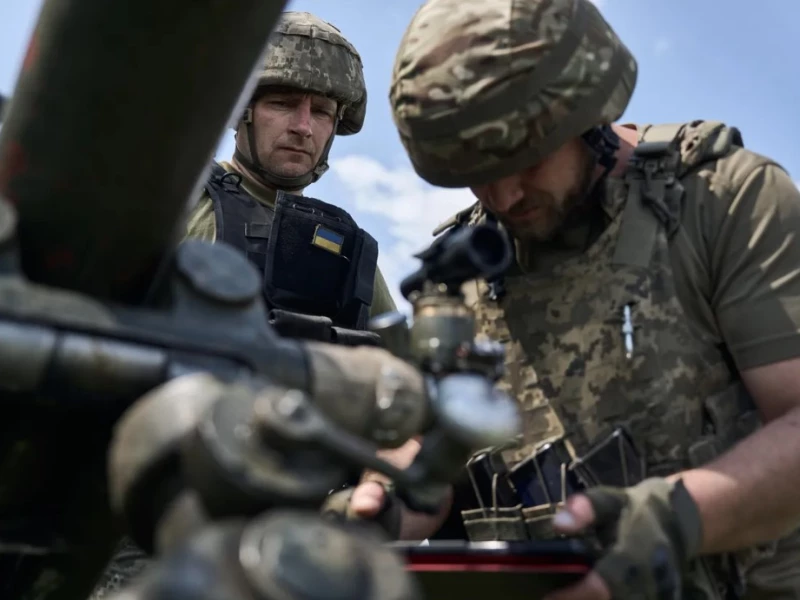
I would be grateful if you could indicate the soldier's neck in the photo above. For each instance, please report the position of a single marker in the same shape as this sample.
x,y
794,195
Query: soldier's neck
x,y
254,185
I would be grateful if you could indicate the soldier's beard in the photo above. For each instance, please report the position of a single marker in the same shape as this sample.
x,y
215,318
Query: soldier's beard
x,y
548,214
547,219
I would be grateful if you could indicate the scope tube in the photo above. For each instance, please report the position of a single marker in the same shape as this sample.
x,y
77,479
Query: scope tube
x,y
116,114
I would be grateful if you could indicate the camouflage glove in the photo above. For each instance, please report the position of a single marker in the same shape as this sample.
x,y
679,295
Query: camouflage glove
x,y
649,533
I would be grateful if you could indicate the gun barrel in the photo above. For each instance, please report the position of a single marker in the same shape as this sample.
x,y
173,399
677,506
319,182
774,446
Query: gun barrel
x,y
478,251
116,114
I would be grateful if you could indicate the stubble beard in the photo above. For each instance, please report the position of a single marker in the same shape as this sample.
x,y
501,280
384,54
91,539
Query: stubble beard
x,y
553,212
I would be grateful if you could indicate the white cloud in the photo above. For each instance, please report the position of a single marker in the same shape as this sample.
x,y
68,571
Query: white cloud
x,y
412,208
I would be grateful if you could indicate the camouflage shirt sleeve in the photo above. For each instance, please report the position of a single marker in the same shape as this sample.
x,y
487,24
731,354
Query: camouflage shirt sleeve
x,y
755,269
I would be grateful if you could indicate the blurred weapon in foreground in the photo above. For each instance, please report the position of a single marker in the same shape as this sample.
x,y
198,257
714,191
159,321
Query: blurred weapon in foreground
x,y
243,448
115,116
117,109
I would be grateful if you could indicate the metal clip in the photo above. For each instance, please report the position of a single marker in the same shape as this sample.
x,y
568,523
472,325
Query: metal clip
x,y
627,330
496,289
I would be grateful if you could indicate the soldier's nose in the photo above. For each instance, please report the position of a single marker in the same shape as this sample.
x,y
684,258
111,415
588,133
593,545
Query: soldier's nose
x,y
504,194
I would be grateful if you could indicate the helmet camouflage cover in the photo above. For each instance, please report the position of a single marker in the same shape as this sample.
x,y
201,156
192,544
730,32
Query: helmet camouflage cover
x,y
308,53
481,90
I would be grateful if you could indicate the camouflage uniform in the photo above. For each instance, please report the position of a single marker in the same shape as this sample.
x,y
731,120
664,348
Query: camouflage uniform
x,y
696,239
305,53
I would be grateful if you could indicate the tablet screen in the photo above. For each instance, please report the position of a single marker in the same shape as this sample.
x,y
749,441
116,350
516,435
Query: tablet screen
x,y
508,570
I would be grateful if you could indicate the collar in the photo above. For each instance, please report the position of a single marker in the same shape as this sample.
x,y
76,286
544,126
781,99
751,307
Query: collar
x,y
261,192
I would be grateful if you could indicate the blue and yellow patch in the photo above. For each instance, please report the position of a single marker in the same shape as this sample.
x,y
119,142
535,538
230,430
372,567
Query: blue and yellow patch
x,y
328,240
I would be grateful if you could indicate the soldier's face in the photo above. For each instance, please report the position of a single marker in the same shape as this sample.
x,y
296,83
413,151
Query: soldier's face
x,y
292,129
534,203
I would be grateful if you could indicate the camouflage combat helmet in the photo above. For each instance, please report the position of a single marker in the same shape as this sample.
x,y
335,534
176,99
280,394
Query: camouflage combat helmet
x,y
307,53
481,90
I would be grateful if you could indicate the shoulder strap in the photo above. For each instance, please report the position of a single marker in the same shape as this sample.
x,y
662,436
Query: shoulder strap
x,y
665,154
217,171
652,171
236,214
698,142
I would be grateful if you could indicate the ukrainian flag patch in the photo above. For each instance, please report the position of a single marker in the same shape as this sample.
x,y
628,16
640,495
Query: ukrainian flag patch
x,y
328,240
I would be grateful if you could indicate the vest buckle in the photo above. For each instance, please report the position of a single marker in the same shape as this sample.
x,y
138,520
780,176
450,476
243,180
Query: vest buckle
x,y
655,165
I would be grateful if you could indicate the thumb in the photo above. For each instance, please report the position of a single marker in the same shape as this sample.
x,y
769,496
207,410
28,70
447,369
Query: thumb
x,y
577,515
367,500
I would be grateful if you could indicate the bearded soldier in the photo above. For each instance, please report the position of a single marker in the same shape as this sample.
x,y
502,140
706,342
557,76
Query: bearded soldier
x,y
321,277
655,291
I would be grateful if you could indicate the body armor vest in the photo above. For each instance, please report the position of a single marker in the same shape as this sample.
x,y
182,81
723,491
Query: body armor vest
x,y
318,265
598,344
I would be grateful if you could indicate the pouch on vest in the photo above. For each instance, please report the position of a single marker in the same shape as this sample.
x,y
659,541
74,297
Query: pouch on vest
x,y
519,503
493,511
500,511
319,261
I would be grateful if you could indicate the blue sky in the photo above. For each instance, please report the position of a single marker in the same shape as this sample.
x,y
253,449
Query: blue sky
x,y
729,60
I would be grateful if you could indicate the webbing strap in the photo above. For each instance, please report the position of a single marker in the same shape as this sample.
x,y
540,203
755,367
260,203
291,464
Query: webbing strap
x,y
651,178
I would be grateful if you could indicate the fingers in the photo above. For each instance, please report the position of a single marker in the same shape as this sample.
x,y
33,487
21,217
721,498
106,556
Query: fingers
x,y
597,505
580,512
400,457
576,515
591,587
367,500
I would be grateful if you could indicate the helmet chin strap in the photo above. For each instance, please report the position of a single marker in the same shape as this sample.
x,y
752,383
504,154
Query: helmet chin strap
x,y
603,142
279,182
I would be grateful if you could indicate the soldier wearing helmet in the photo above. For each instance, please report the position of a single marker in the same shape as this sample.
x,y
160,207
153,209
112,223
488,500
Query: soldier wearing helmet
x,y
321,275
651,318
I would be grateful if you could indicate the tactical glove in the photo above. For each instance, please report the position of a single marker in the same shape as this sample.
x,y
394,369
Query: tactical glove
x,y
649,533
